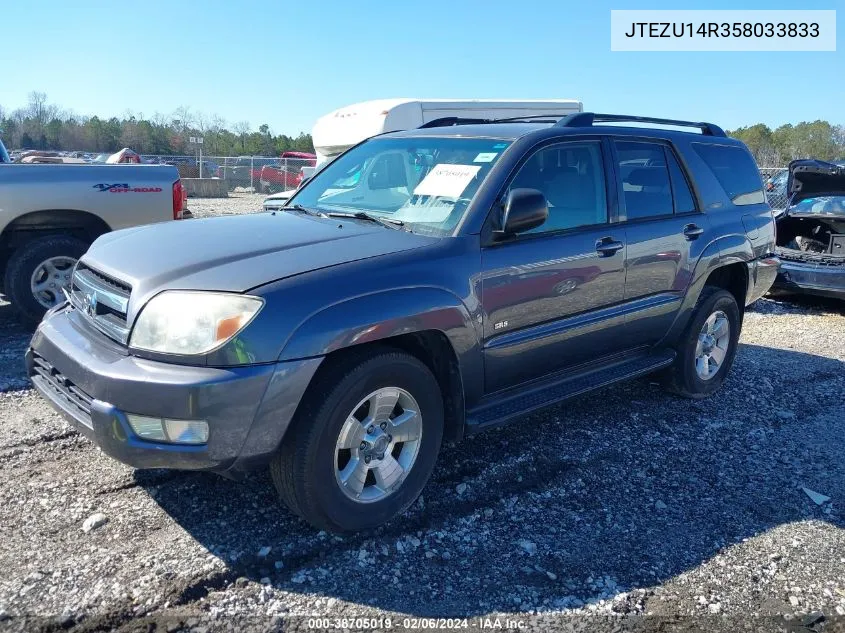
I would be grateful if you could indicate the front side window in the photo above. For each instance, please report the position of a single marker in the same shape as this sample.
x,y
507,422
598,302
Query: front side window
x,y
571,176
426,182
646,186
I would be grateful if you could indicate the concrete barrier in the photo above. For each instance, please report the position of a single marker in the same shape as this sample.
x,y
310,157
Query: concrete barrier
x,y
205,187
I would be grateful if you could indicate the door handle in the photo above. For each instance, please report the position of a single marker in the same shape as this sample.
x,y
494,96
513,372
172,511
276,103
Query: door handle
x,y
607,246
692,231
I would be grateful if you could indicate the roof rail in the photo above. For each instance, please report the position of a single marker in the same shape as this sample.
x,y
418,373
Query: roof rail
x,y
452,120
587,119
551,117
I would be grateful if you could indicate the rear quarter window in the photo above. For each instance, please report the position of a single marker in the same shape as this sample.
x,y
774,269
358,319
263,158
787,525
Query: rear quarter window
x,y
735,170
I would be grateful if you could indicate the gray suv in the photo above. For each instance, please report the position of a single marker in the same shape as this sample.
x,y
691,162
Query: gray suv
x,y
425,285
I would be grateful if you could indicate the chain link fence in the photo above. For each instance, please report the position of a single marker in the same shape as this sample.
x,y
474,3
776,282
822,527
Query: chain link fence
x,y
774,184
257,173
263,174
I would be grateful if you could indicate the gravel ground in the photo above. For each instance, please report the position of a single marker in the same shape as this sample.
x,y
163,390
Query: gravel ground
x,y
236,204
626,502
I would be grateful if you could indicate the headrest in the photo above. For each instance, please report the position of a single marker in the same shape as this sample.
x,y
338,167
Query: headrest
x,y
647,177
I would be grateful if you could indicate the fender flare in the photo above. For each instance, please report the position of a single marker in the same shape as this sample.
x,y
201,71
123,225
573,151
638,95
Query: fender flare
x,y
381,315
723,251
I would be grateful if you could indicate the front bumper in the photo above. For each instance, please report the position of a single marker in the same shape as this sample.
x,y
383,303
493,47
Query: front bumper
x,y
810,277
94,383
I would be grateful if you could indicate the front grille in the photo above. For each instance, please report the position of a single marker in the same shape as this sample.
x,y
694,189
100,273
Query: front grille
x,y
102,301
51,378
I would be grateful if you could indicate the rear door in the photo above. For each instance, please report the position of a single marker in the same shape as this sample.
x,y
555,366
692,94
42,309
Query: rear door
x,y
662,225
545,293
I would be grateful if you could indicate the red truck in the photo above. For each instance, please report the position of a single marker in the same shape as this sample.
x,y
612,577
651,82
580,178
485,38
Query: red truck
x,y
284,175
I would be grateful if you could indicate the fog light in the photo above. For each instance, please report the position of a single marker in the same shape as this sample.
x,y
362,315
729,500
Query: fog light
x,y
147,428
187,431
170,431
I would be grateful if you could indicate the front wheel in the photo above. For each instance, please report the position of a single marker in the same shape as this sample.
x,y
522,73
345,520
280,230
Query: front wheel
x,y
38,272
707,349
363,443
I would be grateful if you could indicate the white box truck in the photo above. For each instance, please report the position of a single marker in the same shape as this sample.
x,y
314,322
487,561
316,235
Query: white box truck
x,y
337,131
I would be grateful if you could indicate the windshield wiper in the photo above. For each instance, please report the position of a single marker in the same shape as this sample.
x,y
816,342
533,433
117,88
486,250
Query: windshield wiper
x,y
361,215
306,210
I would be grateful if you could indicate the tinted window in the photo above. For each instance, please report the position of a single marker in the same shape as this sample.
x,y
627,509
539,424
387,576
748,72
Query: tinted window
x,y
735,170
684,201
645,180
572,179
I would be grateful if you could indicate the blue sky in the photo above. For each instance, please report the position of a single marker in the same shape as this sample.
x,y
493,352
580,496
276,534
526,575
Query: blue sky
x,y
286,63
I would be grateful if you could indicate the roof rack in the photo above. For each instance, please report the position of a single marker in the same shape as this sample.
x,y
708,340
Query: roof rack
x,y
587,119
551,117
452,120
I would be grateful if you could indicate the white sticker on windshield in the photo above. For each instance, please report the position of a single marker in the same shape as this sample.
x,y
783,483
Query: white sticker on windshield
x,y
446,180
485,157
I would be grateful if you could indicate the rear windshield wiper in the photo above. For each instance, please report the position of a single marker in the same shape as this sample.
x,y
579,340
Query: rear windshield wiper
x,y
306,210
361,215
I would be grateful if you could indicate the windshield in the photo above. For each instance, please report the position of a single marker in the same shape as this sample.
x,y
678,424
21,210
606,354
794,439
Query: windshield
x,y
426,182
4,155
820,205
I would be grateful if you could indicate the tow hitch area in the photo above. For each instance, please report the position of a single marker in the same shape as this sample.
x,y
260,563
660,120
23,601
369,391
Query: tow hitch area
x,y
811,231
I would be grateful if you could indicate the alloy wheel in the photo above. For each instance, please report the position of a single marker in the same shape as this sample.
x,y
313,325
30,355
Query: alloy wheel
x,y
378,445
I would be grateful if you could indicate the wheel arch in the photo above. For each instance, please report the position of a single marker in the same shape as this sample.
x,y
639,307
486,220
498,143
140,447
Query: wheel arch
x,y
431,324
724,263
435,351
83,225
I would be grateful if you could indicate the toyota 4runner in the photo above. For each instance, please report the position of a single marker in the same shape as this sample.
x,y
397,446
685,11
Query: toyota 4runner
x,y
425,285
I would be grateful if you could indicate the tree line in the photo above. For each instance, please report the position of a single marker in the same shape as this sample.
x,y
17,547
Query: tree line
x,y
775,148
45,126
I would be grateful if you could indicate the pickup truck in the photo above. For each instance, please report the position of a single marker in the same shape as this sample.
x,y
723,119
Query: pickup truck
x,y
424,285
284,175
50,214
275,178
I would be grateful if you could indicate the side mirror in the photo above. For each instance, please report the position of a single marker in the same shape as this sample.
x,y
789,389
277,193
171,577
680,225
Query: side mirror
x,y
525,209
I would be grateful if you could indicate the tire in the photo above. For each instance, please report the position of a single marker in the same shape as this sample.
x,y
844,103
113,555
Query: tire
x,y
684,377
22,266
308,469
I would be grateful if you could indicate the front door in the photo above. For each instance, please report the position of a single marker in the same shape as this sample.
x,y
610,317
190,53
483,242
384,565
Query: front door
x,y
545,293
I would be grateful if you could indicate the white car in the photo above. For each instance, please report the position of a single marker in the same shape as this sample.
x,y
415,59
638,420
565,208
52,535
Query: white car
x,y
278,200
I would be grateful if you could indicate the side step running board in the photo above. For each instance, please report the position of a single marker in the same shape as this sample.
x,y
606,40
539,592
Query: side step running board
x,y
510,406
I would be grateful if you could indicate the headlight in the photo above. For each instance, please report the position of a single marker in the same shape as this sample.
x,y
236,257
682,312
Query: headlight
x,y
182,322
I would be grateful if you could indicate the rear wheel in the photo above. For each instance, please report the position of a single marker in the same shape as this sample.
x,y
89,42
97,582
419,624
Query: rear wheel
x,y
38,271
707,349
363,444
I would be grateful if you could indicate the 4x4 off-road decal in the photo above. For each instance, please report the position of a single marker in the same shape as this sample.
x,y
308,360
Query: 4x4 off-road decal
x,y
125,188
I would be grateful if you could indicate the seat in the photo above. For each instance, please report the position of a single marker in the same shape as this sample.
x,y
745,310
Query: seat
x,y
654,196
572,199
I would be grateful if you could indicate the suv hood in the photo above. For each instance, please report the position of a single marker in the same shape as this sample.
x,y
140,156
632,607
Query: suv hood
x,y
236,253
810,178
